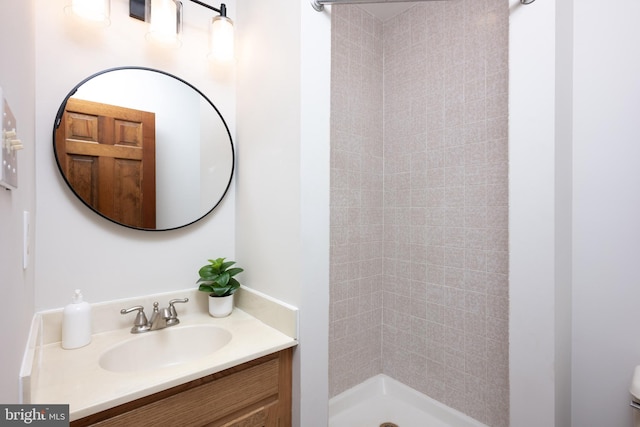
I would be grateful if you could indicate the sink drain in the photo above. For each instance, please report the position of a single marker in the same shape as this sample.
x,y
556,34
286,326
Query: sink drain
x,y
388,425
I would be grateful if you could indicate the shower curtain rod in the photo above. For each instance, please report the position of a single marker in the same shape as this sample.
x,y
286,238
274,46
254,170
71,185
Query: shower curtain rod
x,y
319,4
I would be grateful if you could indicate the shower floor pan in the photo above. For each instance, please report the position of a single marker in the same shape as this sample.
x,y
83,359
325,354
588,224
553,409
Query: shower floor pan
x,y
381,401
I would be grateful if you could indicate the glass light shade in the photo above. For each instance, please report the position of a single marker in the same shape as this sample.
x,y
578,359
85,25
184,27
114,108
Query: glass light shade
x,y
165,20
221,46
93,10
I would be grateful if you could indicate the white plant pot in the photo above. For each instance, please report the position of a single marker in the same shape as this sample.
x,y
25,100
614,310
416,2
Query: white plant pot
x,y
220,306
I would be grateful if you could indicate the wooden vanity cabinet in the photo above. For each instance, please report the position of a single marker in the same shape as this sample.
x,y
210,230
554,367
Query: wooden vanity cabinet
x,y
254,394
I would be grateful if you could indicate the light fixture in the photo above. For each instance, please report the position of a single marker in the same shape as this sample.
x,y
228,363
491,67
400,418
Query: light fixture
x,y
165,21
165,18
221,45
92,10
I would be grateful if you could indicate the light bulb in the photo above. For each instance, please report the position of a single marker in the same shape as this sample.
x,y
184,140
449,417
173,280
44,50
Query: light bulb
x,y
93,10
165,19
221,46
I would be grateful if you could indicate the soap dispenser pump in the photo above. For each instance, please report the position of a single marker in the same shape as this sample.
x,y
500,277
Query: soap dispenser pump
x,y
76,323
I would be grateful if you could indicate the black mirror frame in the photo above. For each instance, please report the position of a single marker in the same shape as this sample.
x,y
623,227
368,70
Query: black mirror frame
x,y
58,119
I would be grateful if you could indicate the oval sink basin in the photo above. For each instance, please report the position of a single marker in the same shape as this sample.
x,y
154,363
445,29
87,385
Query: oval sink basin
x,y
165,347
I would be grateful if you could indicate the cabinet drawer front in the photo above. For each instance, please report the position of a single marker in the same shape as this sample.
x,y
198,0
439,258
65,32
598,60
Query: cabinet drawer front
x,y
208,402
265,416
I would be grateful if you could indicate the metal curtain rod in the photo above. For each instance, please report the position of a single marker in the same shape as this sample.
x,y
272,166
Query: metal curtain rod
x,y
319,4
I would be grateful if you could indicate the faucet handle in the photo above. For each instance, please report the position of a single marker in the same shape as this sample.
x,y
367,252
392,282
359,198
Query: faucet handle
x,y
173,314
140,322
173,301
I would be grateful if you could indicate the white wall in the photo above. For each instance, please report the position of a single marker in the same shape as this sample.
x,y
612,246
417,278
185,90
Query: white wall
x,y
313,362
282,226
575,96
606,219
268,146
76,248
563,210
531,215
17,81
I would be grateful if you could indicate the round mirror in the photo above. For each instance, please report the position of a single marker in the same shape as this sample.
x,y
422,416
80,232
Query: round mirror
x,y
143,148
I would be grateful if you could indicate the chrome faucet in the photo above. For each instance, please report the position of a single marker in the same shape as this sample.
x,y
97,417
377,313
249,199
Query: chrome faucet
x,y
160,318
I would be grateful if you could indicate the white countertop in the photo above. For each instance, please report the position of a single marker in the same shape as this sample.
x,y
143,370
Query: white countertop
x,y
75,377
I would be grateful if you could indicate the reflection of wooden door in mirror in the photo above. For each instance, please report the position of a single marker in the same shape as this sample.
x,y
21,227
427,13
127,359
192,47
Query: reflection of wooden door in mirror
x,y
107,154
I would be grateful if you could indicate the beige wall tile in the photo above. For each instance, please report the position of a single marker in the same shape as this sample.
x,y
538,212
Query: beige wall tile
x,y
419,201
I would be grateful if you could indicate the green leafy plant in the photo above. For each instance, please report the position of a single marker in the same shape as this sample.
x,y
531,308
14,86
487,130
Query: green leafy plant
x,y
217,279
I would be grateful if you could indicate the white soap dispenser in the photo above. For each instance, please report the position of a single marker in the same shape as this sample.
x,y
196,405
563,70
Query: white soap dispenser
x,y
76,323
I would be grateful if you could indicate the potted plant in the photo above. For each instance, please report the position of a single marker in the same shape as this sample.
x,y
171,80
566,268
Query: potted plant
x,y
216,278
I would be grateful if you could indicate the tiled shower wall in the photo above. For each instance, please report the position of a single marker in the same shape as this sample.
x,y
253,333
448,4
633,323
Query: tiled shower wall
x,y
357,232
419,286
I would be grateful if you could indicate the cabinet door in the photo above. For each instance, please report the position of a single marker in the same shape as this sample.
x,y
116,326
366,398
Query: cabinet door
x,y
210,402
255,394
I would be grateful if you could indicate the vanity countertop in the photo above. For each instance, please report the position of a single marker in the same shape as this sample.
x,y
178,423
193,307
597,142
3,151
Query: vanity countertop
x,y
259,325
75,377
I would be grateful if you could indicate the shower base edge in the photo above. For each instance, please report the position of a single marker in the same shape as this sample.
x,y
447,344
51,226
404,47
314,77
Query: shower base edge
x,y
381,399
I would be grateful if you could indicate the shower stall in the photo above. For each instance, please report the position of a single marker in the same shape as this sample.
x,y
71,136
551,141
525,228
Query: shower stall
x,y
419,203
